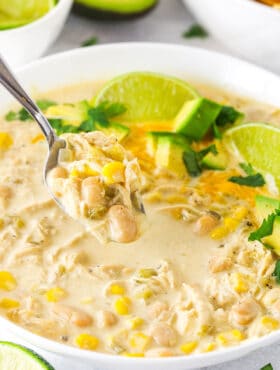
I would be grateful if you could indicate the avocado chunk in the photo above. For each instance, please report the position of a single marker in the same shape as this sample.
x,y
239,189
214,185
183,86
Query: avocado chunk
x,y
71,114
113,9
265,206
196,117
169,154
273,240
218,161
116,129
153,136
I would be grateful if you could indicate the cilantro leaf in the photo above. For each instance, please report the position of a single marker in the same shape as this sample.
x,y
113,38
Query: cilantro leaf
x,y
44,104
227,115
60,128
87,126
265,229
247,168
251,180
267,367
114,109
196,30
276,271
11,116
89,42
192,159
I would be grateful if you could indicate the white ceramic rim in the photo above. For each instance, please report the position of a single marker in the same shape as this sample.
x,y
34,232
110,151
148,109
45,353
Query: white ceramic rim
x,y
191,361
44,19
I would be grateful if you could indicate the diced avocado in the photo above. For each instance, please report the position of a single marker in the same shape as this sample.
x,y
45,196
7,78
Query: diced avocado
x,y
196,117
153,136
273,240
71,114
169,154
265,206
120,131
218,161
113,9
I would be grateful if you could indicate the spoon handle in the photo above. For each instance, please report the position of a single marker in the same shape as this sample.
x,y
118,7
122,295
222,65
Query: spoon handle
x,y
8,80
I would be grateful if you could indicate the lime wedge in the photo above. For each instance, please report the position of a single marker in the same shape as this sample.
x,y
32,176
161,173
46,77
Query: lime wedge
x,y
15,13
16,357
147,96
257,144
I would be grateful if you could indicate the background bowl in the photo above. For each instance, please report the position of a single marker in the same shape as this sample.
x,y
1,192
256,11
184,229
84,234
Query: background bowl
x,y
247,28
24,44
104,62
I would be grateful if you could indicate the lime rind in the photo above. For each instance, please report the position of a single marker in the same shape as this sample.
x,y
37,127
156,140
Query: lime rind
x,y
257,144
17,357
147,95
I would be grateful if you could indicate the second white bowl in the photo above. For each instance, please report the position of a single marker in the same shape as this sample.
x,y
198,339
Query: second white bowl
x,y
248,28
24,44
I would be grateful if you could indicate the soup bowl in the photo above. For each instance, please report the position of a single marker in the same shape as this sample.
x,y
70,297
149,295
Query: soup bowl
x,y
102,63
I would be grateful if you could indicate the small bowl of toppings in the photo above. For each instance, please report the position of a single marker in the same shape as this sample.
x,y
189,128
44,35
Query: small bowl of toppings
x,y
28,29
249,28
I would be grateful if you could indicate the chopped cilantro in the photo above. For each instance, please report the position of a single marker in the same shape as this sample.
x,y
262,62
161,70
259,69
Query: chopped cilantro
x,y
247,168
267,367
44,104
251,180
60,128
11,116
114,109
265,229
89,42
192,159
227,115
195,30
23,115
276,271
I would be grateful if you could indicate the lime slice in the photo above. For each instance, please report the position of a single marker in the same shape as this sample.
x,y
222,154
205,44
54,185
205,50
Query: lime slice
x,y
16,357
15,13
147,96
258,144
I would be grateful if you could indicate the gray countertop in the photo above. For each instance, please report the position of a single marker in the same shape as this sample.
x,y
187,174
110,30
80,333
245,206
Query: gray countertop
x,y
165,24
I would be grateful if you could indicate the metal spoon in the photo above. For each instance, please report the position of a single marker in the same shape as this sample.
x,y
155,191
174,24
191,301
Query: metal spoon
x,y
8,80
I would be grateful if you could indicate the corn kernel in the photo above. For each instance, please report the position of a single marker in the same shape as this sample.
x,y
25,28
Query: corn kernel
x,y
83,172
147,273
210,347
240,213
55,294
7,281
5,141
145,294
133,354
239,283
116,289
230,336
222,339
219,232
270,323
18,222
37,138
189,347
140,341
122,305
113,172
230,223
87,341
237,334
8,303
135,323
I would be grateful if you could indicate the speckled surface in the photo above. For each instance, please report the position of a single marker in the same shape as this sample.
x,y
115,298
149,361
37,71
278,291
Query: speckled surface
x,y
165,24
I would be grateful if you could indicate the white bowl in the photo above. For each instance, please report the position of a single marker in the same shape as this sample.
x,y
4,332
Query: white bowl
x,y
24,44
104,62
247,28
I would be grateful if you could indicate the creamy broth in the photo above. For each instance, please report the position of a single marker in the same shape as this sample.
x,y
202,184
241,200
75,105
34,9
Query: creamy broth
x,y
171,292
